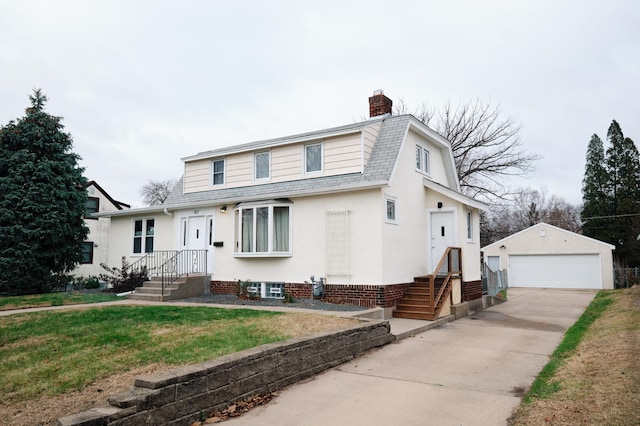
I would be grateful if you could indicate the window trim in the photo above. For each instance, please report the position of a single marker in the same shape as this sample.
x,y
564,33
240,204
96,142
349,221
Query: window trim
x,y
271,205
469,215
87,214
423,160
304,159
390,199
90,245
143,237
213,172
255,166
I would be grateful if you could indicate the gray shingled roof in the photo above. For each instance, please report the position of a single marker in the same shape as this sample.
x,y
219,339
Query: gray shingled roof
x,y
377,172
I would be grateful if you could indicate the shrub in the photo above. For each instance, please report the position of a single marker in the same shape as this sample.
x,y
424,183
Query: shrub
x,y
244,293
125,278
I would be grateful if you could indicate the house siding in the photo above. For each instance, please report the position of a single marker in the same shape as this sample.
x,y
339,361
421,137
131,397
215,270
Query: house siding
x,y
309,243
341,155
369,135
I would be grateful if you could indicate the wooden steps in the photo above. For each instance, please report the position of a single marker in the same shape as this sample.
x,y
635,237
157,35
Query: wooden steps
x,y
416,303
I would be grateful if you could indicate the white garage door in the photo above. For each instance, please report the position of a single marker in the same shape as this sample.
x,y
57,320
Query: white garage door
x,y
555,271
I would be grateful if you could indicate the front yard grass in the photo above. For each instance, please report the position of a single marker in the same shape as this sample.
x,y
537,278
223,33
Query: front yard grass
x,y
54,299
593,377
45,355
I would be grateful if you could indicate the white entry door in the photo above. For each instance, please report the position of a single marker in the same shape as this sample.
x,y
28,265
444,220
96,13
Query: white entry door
x,y
197,233
442,236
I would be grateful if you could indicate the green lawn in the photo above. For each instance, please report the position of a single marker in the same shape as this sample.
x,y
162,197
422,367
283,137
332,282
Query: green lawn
x,y
54,299
51,352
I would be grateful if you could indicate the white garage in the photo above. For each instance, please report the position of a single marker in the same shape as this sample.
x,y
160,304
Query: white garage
x,y
546,256
555,271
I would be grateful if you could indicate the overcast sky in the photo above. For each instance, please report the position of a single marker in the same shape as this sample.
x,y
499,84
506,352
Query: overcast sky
x,y
141,84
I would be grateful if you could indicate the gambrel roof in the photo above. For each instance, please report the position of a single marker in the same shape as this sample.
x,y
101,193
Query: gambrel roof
x,y
377,172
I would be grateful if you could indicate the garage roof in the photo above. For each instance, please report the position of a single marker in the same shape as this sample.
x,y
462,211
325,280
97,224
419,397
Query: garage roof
x,y
546,225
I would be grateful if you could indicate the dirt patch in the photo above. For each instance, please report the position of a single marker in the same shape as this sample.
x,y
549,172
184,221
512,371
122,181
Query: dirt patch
x,y
47,410
600,383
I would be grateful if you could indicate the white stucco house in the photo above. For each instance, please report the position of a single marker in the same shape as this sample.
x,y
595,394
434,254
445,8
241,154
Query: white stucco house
x,y
95,249
550,257
366,206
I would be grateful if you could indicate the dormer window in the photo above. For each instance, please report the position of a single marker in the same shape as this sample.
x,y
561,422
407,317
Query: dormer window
x,y
422,160
217,172
313,158
262,165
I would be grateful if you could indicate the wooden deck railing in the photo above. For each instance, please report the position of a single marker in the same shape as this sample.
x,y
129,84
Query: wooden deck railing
x,y
450,266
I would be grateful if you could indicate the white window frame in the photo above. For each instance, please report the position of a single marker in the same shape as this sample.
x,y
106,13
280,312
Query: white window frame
x,y
423,160
393,200
255,166
238,223
304,163
469,215
143,237
213,171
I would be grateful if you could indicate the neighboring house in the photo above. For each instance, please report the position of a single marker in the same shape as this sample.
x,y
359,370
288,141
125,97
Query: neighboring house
x,y
550,257
367,206
95,249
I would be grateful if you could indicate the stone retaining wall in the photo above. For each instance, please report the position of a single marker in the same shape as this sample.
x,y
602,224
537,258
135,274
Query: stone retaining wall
x,y
182,395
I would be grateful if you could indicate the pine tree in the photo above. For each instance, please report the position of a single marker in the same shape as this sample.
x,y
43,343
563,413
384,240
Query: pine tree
x,y
595,187
611,188
42,201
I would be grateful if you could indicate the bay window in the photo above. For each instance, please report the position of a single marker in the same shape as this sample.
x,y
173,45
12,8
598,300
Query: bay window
x,y
263,229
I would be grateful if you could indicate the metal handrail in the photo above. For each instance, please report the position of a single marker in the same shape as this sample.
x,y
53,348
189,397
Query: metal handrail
x,y
450,265
182,263
170,265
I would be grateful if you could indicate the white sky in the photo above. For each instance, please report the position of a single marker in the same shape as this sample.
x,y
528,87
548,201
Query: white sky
x,y
141,84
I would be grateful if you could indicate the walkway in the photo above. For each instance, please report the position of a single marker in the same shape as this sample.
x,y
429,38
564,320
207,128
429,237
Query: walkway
x,y
467,372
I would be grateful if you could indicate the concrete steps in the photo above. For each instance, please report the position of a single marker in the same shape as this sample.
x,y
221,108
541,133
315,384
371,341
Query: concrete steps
x,y
184,287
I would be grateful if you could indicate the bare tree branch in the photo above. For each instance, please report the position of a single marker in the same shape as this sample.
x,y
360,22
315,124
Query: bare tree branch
x,y
486,148
155,192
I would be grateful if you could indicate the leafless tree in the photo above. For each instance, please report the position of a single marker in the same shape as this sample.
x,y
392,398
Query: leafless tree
x,y
486,148
155,192
529,207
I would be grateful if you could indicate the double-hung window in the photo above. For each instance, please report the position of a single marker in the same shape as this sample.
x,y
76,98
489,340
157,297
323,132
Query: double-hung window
x,y
217,172
263,229
143,233
87,252
261,165
422,160
92,206
313,158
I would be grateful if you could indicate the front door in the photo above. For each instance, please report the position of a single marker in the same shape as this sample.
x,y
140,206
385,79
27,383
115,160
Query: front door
x,y
442,236
197,235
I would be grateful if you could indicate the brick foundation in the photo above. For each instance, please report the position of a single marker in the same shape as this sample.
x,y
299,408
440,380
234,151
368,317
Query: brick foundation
x,y
471,290
364,295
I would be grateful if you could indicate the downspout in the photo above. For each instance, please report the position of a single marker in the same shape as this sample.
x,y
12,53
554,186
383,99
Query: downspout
x,y
166,211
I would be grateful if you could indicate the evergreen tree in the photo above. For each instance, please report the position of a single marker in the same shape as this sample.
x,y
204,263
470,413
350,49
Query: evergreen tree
x,y
595,195
611,188
42,201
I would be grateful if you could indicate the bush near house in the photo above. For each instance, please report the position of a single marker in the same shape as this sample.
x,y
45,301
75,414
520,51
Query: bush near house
x,y
125,278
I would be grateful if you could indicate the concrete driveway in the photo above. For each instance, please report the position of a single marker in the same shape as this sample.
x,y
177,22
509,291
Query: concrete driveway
x,y
468,372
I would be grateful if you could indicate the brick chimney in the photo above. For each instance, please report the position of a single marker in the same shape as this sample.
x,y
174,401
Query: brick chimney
x,y
379,104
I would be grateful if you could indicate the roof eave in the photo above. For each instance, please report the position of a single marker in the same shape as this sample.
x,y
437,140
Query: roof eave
x,y
428,183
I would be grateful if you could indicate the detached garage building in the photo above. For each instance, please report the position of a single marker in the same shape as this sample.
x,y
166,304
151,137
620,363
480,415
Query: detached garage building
x,y
550,257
